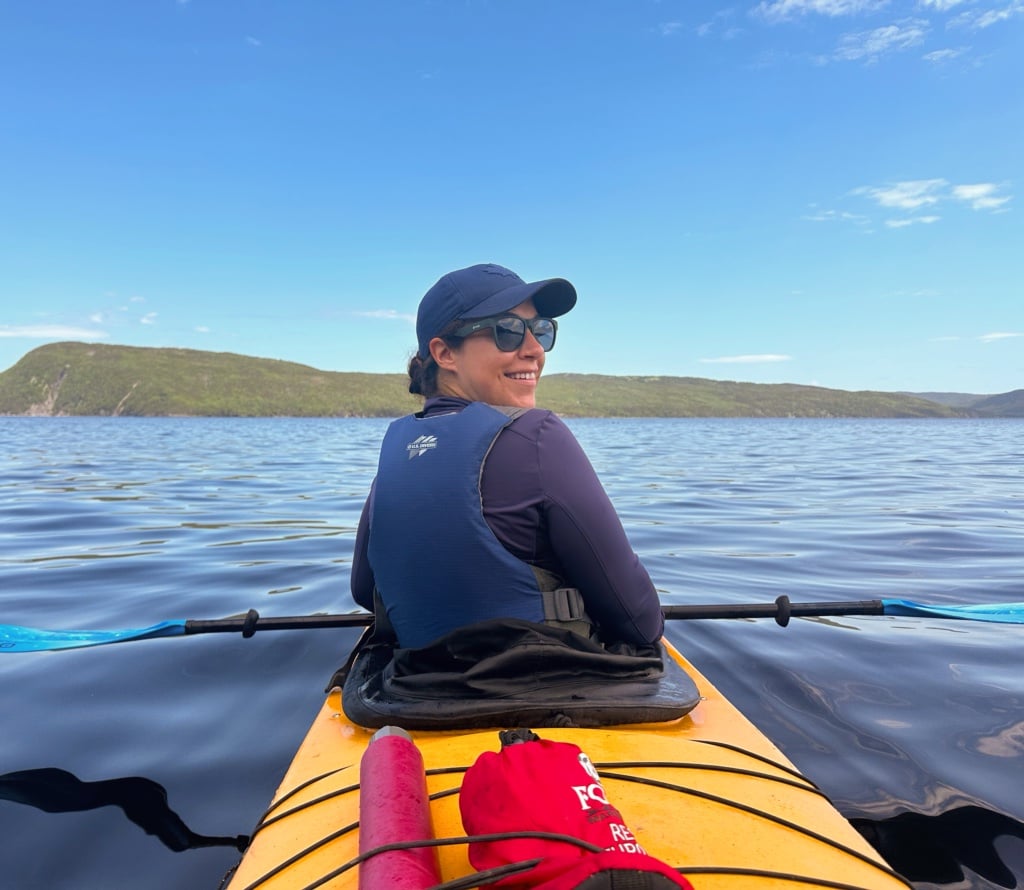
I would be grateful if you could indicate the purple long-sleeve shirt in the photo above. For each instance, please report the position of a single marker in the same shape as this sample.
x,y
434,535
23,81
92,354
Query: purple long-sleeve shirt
x,y
545,504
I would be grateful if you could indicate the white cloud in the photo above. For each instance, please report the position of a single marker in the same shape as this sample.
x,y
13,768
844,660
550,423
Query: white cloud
x,y
254,41
981,196
51,332
940,5
667,29
202,329
914,196
719,18
839,216
976,20
870,45
907,195
781,10
945,55
148,318
746,359
387,314
909,221
999,335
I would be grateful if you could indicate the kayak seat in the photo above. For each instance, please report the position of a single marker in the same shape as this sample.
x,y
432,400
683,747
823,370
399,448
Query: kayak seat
x,y
509,672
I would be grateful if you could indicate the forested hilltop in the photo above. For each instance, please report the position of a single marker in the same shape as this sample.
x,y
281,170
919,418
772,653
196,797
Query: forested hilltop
x,y
103,380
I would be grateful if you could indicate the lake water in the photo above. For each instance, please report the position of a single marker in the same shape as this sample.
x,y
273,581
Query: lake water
x,y
914,727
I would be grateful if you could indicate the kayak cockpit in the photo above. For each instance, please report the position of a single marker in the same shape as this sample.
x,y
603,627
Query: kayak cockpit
x,y
513,674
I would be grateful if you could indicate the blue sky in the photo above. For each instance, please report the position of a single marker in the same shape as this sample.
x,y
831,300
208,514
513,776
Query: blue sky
x,y
810,191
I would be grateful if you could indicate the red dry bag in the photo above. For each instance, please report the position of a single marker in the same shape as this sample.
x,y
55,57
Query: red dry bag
x,y
537,785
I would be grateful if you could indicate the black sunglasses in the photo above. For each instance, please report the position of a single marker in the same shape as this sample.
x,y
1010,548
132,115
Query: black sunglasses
x,y
510,330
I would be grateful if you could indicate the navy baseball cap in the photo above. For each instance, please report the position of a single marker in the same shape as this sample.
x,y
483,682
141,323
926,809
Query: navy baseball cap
x,y
483,290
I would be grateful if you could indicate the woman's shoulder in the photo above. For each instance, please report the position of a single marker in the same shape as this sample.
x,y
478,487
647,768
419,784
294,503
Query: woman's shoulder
x,y
542,426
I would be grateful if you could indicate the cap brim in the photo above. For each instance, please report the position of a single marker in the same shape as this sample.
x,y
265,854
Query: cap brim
x,y
552,297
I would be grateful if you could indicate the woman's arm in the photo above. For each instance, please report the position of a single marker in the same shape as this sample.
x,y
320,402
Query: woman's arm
x,y
361,581
539,462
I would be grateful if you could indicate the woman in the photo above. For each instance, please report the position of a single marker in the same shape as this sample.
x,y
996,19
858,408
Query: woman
x,y
484,506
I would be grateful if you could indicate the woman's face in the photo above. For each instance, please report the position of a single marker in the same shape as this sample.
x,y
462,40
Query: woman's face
x,y
477,370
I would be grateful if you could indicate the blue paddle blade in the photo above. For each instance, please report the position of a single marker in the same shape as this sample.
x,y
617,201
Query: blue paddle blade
x,y
1002,613
29,639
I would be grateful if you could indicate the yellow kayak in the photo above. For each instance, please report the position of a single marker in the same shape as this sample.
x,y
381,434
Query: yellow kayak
x,y
707,793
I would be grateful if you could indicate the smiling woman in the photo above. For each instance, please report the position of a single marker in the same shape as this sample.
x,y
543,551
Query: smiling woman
x,y
500,516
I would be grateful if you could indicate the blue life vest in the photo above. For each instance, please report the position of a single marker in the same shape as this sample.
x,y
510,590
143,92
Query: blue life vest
x,y
436,563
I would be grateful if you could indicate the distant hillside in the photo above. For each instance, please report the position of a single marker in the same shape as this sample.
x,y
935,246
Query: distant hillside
x,y
91,379
953,399
94,379
1008,404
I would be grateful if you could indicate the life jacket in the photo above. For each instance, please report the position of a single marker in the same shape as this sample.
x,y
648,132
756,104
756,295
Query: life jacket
x,y
541,820
436,563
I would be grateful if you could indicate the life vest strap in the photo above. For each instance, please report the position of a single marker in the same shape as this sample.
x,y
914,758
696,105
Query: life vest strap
x,y
563,607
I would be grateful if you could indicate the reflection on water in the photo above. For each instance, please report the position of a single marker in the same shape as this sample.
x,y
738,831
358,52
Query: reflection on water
x,y
937,849
143,801
914,727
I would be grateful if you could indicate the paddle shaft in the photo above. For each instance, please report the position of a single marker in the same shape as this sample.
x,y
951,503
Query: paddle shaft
x,y
781,610
14,638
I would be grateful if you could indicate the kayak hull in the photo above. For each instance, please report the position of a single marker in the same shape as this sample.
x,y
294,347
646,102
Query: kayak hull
x,y
707,793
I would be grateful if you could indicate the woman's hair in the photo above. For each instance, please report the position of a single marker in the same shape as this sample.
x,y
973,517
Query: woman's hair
x,y
423,371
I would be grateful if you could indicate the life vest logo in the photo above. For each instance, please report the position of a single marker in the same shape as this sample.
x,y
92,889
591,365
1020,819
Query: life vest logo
x,y
421,445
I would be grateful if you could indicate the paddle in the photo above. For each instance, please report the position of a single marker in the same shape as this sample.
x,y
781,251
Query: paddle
x,y
14,638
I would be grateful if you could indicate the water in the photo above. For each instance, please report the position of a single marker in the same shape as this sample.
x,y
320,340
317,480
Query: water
x,y
914,727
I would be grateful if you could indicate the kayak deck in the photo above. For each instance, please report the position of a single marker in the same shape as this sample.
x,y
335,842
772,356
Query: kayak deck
x,y
707,793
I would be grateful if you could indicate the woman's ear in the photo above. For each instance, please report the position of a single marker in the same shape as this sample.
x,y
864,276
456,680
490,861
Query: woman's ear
x,y
443,354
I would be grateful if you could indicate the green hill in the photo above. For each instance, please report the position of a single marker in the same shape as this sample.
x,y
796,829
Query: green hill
x,y
92,379
1007,404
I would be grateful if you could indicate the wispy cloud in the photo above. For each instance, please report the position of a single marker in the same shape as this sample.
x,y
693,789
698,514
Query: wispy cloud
x,y
981,196
872,45
999,335
979,19
746,359
994,337
387,314
910,194
838,216
51,332
941,56
201,329
915,194
668,29
940,5
918,200
781,10
719,25
253,41
912,220
148,318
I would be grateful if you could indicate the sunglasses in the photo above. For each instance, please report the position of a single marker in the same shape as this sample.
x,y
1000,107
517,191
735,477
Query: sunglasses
x,y
510,330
